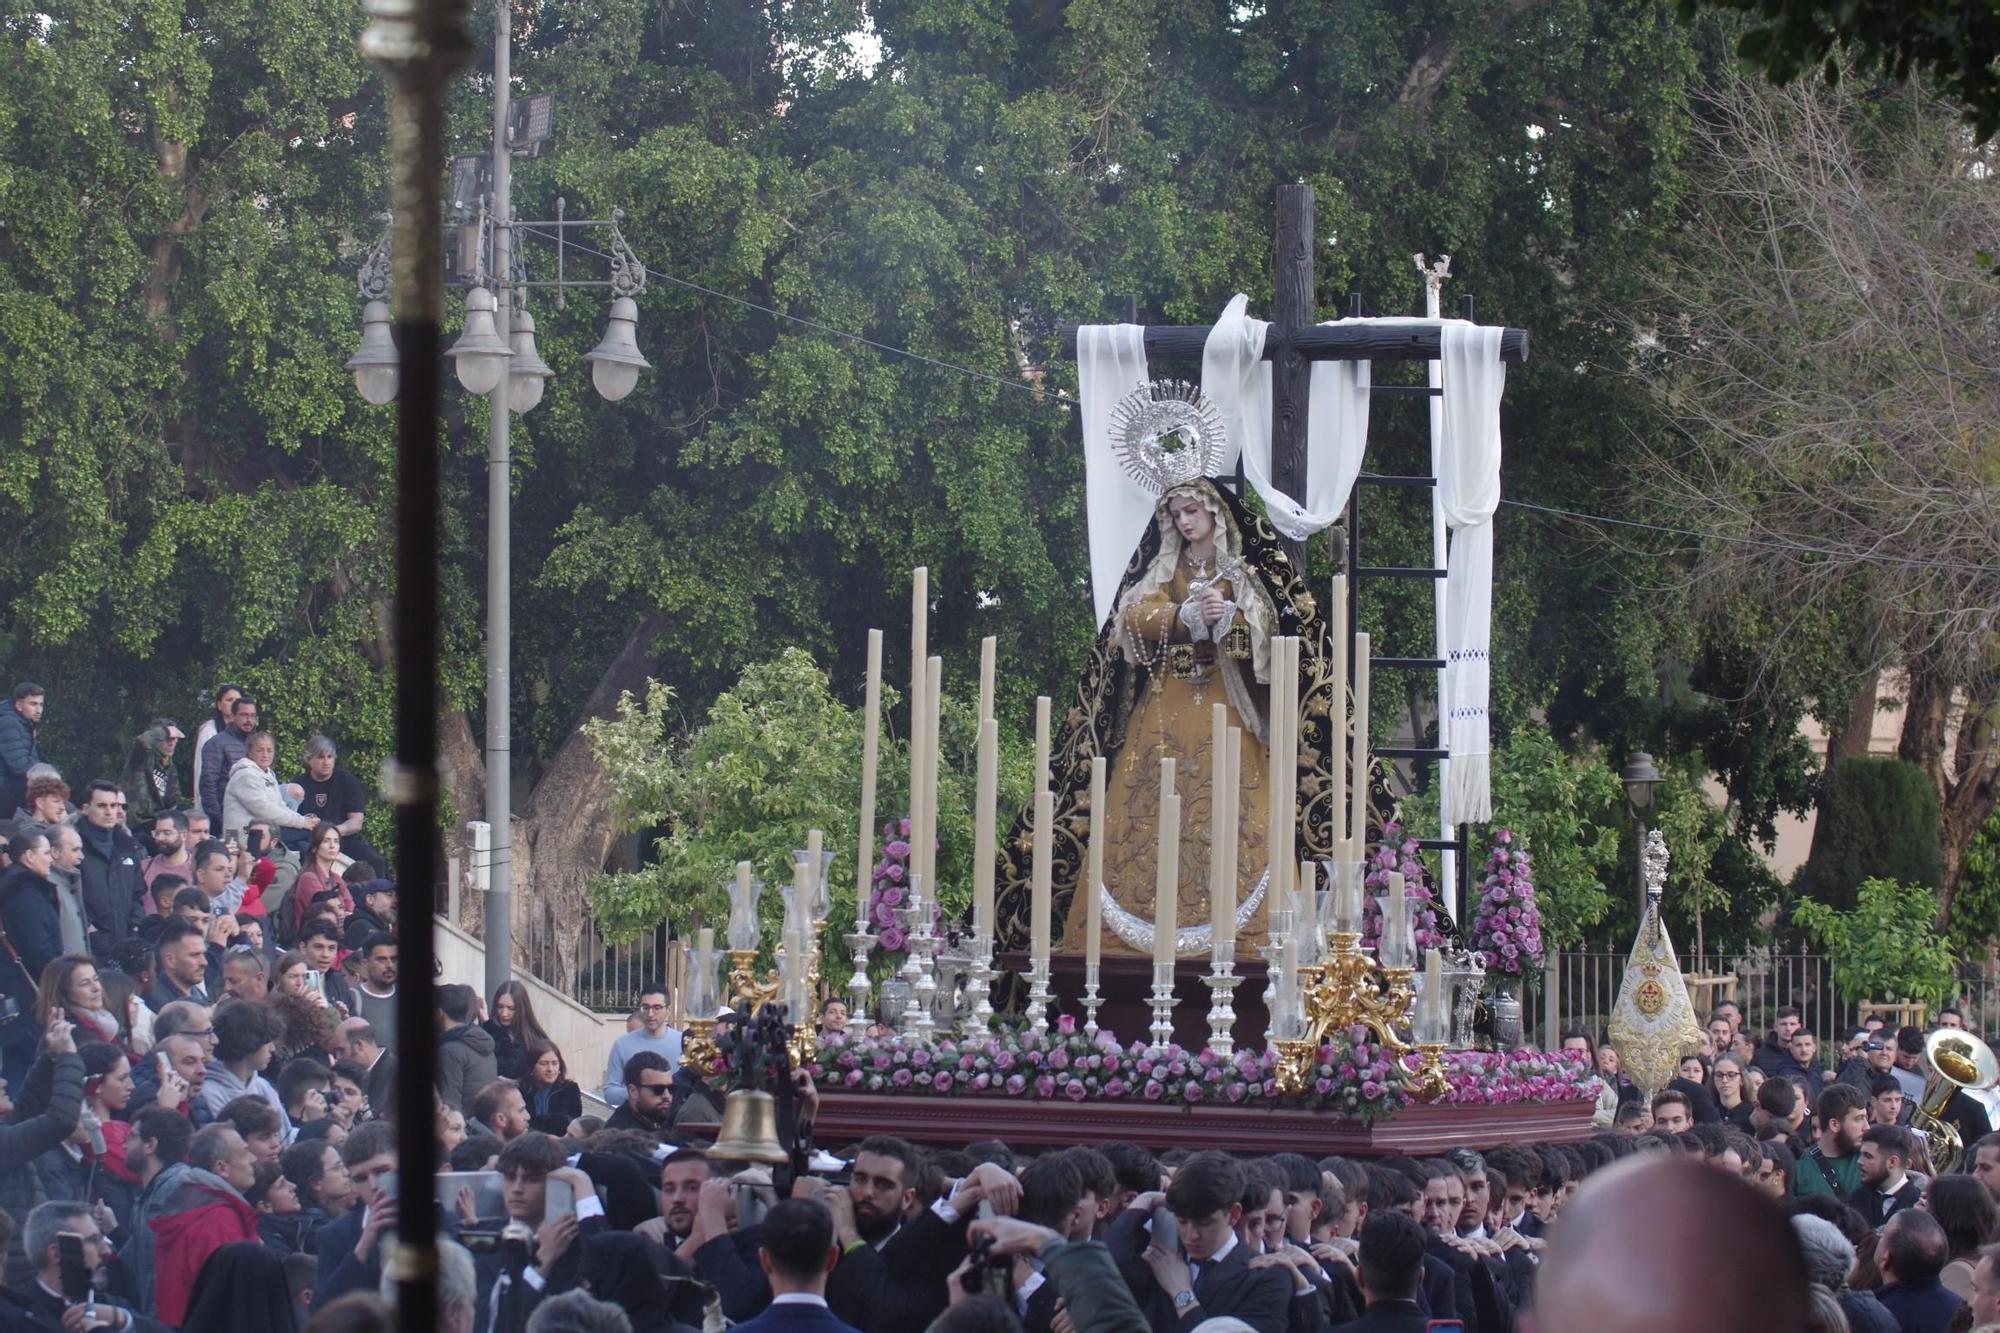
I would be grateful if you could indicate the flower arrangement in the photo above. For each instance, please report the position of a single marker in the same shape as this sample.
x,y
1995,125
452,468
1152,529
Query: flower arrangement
x,y
1506,924
1398,855
1353,1077
888,886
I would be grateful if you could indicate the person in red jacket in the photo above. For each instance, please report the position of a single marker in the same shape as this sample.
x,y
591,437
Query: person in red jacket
x,y
201,1211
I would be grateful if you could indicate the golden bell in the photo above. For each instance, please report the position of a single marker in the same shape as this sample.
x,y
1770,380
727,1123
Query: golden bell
x,y
749,1129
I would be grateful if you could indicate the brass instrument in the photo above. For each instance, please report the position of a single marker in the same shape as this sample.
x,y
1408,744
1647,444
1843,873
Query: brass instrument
x,y
1957,1060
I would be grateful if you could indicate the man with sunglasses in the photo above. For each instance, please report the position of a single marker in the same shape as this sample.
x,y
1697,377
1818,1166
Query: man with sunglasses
x,y
649,1096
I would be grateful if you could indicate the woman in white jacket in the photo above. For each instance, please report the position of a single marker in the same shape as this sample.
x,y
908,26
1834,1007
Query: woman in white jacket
x,y
254,792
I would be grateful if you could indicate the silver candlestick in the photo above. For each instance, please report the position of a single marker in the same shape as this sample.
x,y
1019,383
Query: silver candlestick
x,y
915,1016
858,988
1162,1030
1092,1001
923,991
1039,997
1222,983
977,1020
1277,995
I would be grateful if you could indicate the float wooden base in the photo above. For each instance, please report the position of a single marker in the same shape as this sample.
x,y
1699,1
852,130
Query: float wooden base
x,y
846,1118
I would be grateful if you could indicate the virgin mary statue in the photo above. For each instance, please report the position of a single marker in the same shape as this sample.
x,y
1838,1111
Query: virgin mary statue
x,y
1206,591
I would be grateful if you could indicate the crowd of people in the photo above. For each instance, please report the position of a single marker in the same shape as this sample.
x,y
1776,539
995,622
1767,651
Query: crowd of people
x,y
197,1131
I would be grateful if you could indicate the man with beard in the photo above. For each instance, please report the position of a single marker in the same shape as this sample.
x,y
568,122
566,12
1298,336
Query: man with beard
x,y
1832,1165
898,1255
681,1176
1886,1188
649,1096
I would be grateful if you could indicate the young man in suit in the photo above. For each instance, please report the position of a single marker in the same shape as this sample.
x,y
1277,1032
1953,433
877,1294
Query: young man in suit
x,y
796,1254
1208,1274
1886,1188
1391,1272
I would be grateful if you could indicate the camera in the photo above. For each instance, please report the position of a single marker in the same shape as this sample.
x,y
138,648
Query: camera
x,y
991,1275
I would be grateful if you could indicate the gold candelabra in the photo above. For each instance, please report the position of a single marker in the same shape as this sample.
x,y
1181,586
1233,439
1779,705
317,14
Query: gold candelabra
x,y
698,1049
1349,989
746,988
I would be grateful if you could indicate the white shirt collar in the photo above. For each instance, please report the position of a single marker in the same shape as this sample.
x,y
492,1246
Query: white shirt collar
x,y
799,1298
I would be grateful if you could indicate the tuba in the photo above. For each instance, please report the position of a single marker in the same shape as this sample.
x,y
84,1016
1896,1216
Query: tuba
x,y
1957,1060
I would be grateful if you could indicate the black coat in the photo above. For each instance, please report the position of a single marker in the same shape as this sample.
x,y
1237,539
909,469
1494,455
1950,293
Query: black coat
x,y
1390,1317
899,1288
564,1105
28,913
1260,1297
113,889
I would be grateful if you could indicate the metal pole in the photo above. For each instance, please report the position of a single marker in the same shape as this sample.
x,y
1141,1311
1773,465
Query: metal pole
x,y
499,545
417,46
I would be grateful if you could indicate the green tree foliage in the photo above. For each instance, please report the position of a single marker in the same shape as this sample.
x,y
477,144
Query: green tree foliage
x,y
1883,948
1568,813
1880,821
777,754
1952,42
202,493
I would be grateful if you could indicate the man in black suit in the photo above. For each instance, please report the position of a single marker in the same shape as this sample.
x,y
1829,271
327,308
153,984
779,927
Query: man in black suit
x,y
364,1047
1391,1272
1391,1191
796,1254
897,1256
1208,1274
1886,1188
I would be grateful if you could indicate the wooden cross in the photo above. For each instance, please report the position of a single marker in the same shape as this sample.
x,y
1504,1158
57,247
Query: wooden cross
x,y
1295,341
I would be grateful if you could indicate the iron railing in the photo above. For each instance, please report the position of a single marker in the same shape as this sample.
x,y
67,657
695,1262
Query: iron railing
x,y
1580,989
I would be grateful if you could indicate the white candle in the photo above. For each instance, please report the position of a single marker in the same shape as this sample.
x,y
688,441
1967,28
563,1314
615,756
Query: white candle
x,y
1397,919
1274,788
1289,763
988,646
815,853
1166,866
933,703
1038,920
1433,988
1232,809
1308,896
1357,829
703,983
871,746
1221,895
1336,804
920,620
1166,924
1093,909
1042,742
987,793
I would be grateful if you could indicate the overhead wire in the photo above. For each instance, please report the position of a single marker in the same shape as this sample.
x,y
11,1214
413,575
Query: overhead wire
x,y
1042,394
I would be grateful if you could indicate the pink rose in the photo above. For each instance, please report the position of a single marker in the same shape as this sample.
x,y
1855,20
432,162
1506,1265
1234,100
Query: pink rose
x,y
1076,1091
1045,1086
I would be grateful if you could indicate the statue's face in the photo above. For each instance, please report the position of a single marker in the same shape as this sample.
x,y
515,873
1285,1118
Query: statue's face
x,y
1192,519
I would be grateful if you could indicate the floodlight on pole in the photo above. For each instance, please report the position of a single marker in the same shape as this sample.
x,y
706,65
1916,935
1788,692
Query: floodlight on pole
x,y
378,365
615,363
527,373
480,352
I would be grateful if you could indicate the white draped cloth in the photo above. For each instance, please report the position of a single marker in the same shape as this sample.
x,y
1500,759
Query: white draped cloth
x,y
1111,363
1469,488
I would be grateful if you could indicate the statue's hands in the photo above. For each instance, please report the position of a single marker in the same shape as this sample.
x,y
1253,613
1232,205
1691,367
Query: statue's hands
x,y
1213,605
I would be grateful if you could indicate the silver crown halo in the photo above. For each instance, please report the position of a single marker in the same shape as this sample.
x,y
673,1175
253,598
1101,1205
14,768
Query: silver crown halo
x,y
1165,433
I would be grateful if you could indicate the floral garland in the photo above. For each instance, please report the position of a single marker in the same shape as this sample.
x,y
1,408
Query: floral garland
x,y
1354,1077
887,887
1400,856
1506,925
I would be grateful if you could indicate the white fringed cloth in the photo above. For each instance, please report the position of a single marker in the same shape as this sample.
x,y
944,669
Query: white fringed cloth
x,y
1111,363
1473,377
